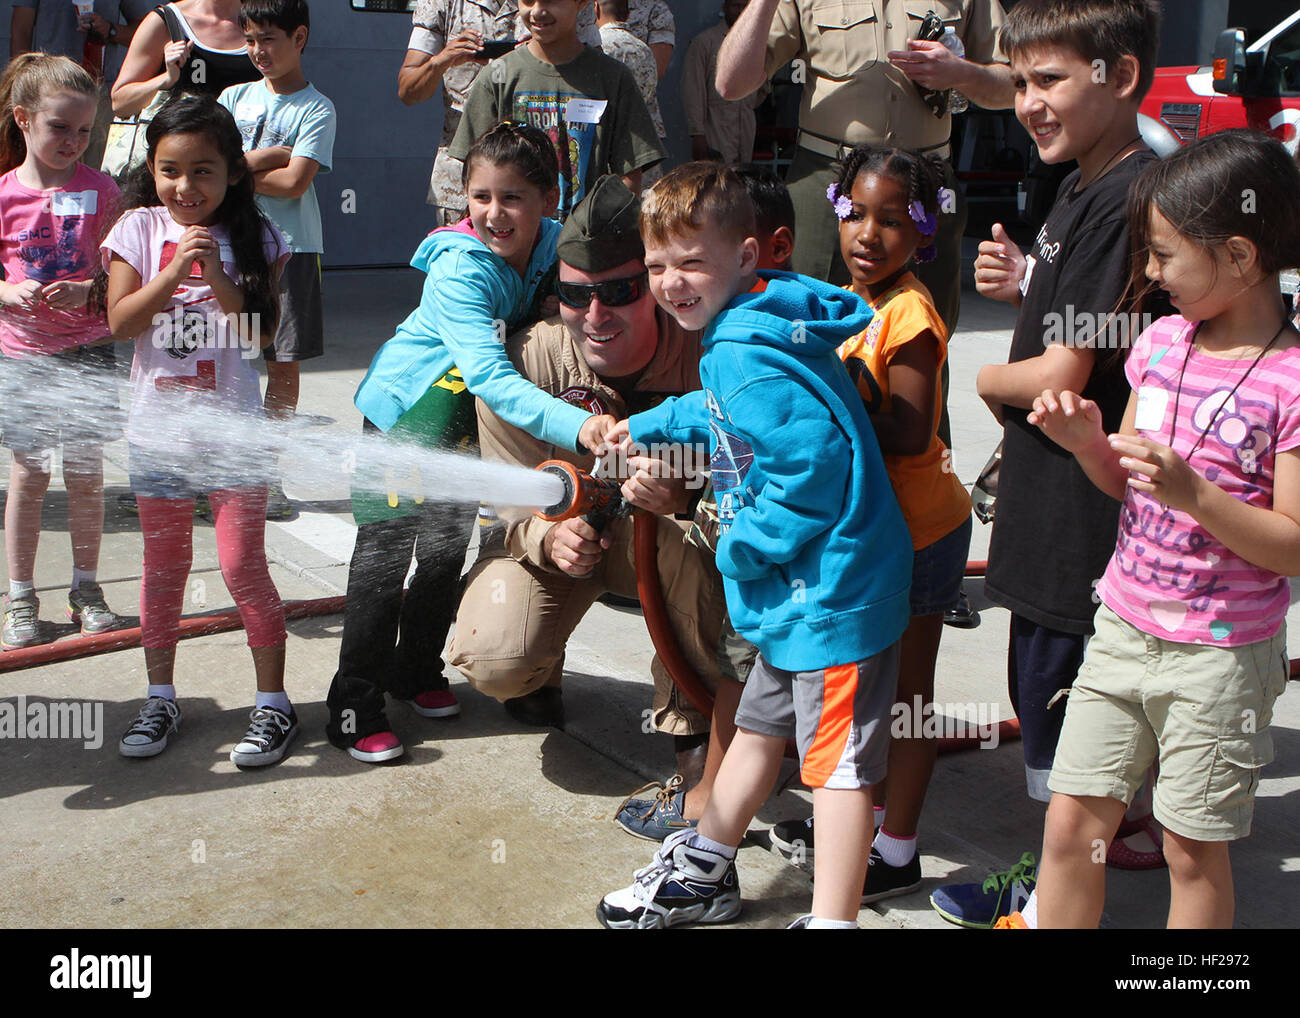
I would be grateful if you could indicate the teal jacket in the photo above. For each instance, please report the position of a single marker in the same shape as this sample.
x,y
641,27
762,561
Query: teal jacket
x,y
472,300
815,556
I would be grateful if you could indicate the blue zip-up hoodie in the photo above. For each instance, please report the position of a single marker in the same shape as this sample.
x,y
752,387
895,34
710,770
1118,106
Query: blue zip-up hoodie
x,y
467,293
814,553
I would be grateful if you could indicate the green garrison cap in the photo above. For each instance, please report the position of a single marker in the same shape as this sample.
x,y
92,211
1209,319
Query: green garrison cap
x,y
603,231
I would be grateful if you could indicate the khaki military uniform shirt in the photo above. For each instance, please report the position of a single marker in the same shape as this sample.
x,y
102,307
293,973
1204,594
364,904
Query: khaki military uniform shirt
x,y
549,358
852,93
434,24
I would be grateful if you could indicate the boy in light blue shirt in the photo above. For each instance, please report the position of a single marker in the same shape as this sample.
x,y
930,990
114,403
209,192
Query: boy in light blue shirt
x,y
288,129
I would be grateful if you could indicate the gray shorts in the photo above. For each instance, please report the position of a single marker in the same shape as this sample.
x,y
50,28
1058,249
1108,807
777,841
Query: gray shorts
x,y
839,717
300,335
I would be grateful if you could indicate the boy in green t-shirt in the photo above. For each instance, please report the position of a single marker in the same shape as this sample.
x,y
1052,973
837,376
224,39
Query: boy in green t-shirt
x,y
586,102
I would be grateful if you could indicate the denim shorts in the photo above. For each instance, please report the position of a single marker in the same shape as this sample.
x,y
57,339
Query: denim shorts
x,y
937,571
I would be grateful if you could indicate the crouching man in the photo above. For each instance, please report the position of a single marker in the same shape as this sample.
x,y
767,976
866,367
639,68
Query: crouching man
x,y
611,351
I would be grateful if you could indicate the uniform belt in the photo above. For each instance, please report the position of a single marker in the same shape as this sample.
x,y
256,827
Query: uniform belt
x,y
830,148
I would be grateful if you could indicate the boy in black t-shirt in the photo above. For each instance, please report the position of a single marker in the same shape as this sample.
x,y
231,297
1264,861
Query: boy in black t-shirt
x,y
587,103
1081,69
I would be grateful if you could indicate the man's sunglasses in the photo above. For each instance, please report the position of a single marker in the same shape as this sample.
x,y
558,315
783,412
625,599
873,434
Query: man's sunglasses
x,y
614,293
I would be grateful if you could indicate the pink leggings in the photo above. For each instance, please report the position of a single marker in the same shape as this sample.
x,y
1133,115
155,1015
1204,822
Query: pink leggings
x,y
168,525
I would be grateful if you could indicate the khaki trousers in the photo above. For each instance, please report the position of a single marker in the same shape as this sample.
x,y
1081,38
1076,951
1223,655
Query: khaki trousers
x,y
515,619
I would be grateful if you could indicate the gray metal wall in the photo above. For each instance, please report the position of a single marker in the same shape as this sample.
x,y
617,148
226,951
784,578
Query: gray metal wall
x,y
385,150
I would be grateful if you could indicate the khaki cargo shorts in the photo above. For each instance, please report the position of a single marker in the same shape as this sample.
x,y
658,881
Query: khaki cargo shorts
x,y
1202,711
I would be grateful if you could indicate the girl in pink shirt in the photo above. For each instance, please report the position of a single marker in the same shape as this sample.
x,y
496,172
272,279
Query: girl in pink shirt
x,y
1190,651
192,277
54,389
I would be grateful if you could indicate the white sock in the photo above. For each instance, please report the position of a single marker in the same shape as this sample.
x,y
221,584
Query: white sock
x,y
280,701
21,588
877,817
1030,912
167,692
700,841
895,851
80,576
831,924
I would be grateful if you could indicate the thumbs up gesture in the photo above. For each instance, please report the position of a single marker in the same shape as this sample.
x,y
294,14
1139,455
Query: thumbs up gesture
x,y
1000,267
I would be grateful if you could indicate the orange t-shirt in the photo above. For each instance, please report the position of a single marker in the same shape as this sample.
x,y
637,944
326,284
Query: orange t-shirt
x,y
933,500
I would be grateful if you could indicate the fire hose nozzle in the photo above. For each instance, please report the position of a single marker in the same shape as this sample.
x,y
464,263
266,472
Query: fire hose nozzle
x,y
595,499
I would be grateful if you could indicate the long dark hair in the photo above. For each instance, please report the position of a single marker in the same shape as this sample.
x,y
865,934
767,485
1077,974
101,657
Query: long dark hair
x,y
189,113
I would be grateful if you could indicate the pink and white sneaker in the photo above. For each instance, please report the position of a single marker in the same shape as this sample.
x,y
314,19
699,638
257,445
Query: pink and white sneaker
x,y
377,748
436,703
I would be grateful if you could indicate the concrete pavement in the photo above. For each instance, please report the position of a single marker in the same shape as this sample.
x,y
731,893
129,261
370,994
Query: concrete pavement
x,y
484,823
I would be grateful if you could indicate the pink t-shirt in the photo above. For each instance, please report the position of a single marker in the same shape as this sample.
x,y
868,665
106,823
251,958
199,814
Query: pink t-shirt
x,y
50,235
189,362
1169,576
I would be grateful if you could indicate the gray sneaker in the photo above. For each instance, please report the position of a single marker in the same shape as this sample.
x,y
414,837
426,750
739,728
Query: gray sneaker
x,y
86,606
22,622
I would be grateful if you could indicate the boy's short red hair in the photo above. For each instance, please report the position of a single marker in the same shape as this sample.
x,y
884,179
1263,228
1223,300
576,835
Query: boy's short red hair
x,y
697,196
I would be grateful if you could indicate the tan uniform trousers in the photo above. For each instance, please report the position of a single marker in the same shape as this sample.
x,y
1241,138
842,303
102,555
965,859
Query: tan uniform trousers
x,y
515,619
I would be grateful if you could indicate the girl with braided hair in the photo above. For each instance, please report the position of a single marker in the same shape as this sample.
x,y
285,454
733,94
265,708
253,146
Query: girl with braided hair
x,y
888,202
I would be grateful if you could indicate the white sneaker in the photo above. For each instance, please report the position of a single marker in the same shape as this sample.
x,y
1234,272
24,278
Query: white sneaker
x,y
684,884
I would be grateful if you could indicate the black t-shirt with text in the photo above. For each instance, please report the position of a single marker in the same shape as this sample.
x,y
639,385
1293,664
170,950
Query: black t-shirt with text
x,y
1054,530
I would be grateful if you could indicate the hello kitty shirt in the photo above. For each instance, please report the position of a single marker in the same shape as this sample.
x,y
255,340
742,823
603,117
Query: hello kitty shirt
x,y
1169,576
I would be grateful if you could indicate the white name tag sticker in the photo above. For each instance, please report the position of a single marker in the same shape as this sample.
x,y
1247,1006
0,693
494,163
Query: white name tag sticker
x,y
75,203
1152,403
585,111
1030,262
247,112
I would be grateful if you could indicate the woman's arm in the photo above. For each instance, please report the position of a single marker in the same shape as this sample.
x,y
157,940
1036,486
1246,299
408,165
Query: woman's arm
x,y
906,429
139,80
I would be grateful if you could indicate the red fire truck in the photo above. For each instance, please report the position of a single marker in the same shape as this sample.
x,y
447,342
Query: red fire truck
x,y
1255,85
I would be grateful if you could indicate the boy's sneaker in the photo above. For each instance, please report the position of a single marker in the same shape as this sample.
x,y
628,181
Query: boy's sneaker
x,y
793,836
158,719
267,740
979,906
376,748
885,881
22,622
86,607
684,884
657,818
436,703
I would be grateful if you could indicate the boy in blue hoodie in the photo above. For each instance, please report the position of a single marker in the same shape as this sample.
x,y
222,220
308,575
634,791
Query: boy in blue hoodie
x,y
814,552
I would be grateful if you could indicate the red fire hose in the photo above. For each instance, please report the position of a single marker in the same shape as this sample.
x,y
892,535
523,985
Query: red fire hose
x,y
121,639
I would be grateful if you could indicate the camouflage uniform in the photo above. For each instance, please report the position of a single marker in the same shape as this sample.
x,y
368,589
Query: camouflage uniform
x,y
434,24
